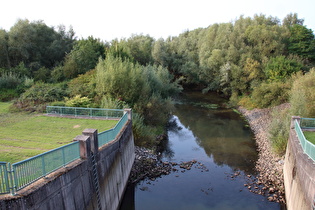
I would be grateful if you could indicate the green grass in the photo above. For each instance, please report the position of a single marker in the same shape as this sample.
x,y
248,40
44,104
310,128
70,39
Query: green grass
x,y
310,136
4,107
24,135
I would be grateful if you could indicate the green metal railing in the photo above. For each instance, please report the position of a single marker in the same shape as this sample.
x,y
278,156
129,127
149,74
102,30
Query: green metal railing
x,y
34,168
4,179
84,112
307,123
307,146
109,135
21,174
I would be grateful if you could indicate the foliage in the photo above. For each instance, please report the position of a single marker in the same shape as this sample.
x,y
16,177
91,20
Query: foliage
x,y
279,68
146,89
78,101
36,97
10,80
83,85
83,57
271,94
302,42
109,103
143,134
302,95
279,129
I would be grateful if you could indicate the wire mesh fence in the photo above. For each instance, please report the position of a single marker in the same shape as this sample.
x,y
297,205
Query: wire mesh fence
x,y
84,112
307,123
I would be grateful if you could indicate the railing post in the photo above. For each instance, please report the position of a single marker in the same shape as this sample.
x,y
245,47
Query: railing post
x,y
298,118
84,145
92,133
129,112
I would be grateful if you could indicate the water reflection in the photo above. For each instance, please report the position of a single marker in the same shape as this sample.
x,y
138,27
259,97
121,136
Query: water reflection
x,y
218,139
221,134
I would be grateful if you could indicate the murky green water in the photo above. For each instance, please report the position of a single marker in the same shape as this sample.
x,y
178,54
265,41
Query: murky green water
x,y
223,145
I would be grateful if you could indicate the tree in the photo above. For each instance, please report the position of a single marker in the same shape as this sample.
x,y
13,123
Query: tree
x,y
4,50
302,42
292,19
83,57
279,68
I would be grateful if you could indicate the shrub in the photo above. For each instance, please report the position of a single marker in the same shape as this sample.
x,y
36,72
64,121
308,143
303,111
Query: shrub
x,y
271,94
10,80
78,101
8,94
109,103
36,97
279,129
303,94
143,134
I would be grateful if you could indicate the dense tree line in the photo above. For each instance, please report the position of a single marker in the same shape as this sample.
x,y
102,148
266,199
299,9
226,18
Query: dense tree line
x,y
252,61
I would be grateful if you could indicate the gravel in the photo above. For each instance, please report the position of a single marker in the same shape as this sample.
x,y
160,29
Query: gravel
x,y
270,180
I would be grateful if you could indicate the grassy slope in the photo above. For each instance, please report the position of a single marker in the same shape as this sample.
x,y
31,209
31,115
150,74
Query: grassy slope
x,y
25,135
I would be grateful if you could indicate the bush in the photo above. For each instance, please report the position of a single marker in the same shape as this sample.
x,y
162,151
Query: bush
x,y
143,134
10,80
303,94
109,103
271,94
39,95
78,101
279,129
8,94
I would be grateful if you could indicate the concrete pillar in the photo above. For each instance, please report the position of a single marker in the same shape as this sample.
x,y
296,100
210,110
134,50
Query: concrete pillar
x,y
92,133
293,118
129,111
84,145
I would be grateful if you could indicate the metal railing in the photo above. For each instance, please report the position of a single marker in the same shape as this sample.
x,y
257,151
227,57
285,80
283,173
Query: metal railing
x,y
84,112
307,123
109,135
4,179
308,147
21,174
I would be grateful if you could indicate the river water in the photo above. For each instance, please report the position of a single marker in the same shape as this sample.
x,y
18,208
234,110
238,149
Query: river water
x,y
224,148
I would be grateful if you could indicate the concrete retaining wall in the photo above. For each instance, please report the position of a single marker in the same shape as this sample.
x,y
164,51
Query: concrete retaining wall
x,y
299,175
73,187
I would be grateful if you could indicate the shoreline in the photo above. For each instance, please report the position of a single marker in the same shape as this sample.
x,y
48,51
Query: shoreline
x,y
269,181
269,165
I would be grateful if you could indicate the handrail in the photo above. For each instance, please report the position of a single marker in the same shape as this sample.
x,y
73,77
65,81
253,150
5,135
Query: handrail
x,y
308,147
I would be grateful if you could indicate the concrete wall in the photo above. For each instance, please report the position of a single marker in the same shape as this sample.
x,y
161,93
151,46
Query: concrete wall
x,y
299,175
73,187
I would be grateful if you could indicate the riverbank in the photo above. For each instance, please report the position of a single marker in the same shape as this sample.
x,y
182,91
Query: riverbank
x,y
269,165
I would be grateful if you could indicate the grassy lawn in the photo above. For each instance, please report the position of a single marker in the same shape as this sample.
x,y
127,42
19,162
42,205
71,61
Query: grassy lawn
x,y
310,136
24,135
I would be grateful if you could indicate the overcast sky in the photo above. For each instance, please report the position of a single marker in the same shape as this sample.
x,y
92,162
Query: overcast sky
x,y
110,19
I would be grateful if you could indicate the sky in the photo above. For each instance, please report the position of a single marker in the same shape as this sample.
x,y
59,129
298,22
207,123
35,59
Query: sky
x,y
111,19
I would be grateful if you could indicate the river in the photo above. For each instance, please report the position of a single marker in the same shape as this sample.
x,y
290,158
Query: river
x,y
224,148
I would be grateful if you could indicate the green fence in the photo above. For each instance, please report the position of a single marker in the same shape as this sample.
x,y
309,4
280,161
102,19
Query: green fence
x,y
84,112
22,174
109,135
4,179
307,123
307,146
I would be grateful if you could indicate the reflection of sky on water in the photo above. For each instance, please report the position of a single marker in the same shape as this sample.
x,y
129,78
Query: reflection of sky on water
x,y
219,140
